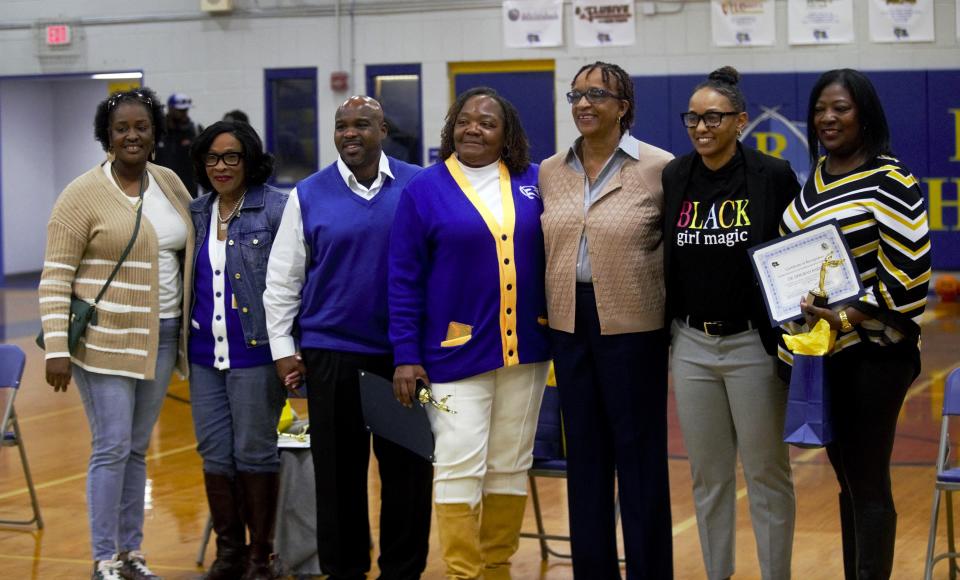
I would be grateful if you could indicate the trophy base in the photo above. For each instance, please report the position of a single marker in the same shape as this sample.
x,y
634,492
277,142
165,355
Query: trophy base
x,y
818,300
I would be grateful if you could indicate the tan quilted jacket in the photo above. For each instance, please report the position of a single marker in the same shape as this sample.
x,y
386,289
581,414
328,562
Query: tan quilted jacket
x,y
624,236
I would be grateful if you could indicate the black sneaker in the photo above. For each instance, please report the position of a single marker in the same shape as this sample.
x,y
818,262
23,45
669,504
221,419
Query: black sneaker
x,y
133,566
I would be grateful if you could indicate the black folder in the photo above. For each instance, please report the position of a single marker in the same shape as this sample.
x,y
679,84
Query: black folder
x,y
385,416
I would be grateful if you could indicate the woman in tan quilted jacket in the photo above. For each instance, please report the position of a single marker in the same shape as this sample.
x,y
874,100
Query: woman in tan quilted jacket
x,y
603,202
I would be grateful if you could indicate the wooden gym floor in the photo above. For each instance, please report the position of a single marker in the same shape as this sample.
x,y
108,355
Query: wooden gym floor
x,y
57,440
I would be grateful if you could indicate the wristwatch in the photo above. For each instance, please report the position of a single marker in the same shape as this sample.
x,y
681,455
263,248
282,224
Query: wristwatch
x,y
845,325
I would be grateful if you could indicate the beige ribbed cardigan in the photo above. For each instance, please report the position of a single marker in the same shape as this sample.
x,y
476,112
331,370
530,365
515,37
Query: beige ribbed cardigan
x,y
90,226
624,241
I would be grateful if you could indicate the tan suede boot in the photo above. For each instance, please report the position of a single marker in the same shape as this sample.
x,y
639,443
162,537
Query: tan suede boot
x,y
458,526
500,533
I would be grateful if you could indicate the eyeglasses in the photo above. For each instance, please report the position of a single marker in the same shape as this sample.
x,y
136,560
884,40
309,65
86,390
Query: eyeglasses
x,y
710,120
594,95
231,158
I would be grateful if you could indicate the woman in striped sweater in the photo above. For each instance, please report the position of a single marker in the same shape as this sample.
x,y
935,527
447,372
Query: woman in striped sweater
x,y
879,208
123,363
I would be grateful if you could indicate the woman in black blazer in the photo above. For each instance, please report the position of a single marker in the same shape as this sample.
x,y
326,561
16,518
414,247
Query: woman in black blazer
x,y
719,200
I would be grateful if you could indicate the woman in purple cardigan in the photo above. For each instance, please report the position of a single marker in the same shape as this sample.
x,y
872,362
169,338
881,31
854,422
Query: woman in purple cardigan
x,y
467,313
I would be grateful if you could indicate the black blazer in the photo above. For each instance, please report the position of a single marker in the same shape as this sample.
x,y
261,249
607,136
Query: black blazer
x,y
771,186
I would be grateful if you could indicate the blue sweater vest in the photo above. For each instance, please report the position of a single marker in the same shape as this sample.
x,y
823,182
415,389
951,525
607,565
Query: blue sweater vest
x,y
466,294
344,297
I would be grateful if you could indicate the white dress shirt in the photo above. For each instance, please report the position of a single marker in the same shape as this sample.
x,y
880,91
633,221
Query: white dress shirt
x,y
287,268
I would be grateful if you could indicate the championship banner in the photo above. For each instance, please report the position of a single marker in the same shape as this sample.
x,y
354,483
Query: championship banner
x,y
532,23
743,22
820,21
901,21
604,23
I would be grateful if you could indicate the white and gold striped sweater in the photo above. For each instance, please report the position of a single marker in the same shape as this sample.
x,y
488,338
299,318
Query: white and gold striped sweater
x,y
89,228
879,208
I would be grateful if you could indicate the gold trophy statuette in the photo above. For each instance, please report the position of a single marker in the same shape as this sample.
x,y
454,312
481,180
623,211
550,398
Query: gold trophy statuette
x,y
818,296
425,396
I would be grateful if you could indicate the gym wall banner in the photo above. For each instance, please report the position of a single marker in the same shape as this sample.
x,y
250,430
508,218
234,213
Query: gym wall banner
x,y
743,23
532,23
899,21
823,22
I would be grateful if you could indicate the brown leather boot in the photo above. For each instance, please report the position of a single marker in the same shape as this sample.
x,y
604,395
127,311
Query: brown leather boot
x,y
260,512
225,500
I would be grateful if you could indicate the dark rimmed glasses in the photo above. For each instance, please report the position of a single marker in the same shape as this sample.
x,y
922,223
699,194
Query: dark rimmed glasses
x,y
711,119
594,95
231,159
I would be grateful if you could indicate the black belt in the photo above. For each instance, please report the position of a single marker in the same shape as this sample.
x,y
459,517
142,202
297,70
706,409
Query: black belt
x,y
718,327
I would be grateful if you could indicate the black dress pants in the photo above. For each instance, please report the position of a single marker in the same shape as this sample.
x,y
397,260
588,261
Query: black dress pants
x,y
867,386
613,394
340,446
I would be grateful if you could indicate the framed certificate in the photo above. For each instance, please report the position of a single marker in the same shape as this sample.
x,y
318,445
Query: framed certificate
x,y
790,267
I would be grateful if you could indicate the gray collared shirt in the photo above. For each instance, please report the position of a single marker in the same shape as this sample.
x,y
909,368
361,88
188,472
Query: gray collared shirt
x,y
629,147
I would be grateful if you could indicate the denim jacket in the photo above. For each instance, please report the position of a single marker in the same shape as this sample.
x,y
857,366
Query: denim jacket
x,y
249,239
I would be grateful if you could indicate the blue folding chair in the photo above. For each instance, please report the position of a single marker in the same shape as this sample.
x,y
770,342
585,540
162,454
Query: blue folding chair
x,y
12,361
948,481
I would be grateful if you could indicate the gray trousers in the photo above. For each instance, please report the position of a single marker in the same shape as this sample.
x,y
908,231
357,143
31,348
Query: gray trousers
x,y
729,399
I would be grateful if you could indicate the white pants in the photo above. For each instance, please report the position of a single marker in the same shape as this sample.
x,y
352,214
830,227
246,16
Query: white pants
x,y
487,446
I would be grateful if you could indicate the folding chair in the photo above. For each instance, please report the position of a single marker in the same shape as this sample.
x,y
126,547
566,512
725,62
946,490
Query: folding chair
x,y
948,481
12,361
549,460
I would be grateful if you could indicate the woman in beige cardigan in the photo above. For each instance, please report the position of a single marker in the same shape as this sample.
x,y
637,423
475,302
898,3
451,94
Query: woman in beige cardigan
x,y
602,202
123,363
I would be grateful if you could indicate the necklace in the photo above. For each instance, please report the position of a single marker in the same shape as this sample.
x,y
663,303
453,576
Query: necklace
x,y
113,170
224,222
143,176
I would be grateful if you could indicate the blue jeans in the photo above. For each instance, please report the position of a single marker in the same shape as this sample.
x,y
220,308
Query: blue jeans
x,y
122,412
235,414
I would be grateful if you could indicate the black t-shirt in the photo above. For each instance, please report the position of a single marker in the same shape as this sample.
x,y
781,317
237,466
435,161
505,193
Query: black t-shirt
x,y
713,278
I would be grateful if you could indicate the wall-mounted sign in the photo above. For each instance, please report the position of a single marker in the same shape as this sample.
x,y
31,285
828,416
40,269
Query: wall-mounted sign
x,y
743,22
532,23
58,34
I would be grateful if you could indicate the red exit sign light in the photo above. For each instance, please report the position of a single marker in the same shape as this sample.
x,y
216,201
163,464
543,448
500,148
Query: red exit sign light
x,y
58,35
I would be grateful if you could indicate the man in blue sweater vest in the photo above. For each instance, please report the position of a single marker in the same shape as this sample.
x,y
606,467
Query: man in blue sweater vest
x,y
327,276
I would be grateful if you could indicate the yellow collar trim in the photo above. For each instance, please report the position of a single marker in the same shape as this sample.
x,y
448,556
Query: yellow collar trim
x,y
503,237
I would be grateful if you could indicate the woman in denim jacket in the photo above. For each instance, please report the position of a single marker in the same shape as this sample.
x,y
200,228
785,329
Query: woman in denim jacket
x,y
235,393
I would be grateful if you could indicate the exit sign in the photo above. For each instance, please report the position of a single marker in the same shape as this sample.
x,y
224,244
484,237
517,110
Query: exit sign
x,y
58,35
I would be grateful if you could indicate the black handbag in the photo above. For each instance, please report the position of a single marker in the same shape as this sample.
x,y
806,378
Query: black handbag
x,y
83,313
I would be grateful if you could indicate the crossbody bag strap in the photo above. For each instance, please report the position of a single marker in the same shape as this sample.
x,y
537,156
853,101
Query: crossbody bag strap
x,y
126,251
